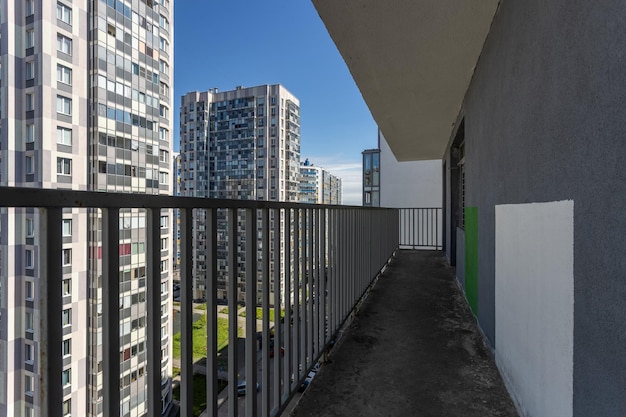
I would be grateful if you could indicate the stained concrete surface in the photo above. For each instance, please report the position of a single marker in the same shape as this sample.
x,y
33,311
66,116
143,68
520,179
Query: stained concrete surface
x,y
413,349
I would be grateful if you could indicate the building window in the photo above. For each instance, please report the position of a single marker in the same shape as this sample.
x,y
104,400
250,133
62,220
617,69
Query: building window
x,y
164,67
28,412
163,111
64,13
64,136
67,286
28,385
67,347
163,44
67,377
30,227
64,166
163,22
67,227
67,257
28,289
30,7
163,178
67,407
30,165
29,261
163,133
64,44
28,353
28,321
30,38
30,102
64,74
164,90
30,70
164,156
67,317
30,132
164,265
64,105
164,222
164,243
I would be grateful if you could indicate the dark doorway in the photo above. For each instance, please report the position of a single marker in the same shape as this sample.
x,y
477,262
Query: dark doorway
x,y
457,189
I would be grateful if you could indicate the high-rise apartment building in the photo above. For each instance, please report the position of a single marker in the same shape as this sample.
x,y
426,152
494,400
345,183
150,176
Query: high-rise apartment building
x,y
240,144
371,177
84,104
318,185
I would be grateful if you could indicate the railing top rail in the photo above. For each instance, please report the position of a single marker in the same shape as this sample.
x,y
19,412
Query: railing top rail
x,y
59,198
418,208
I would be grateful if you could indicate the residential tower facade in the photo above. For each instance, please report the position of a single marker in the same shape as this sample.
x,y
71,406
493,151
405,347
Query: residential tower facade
x,y
318,185
240,144
85,101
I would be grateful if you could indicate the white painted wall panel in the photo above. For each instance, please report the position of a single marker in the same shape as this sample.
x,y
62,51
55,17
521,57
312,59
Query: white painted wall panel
x,y
408,184
534,297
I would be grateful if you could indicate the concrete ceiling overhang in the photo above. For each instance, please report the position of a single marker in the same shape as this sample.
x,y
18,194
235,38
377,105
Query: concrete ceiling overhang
x,y
413,61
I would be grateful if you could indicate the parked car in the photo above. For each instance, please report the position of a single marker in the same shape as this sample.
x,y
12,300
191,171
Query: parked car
x,y
241,388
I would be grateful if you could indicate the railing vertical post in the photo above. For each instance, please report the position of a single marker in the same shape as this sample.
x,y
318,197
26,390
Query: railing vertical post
x,y
279,325
251,287
211,291
438,242
111,312
186,314
265,307
310,292
351,237
299,245
287,328
153,301
50,384
334,268
322,288
342,276
316,283
304,289
233,298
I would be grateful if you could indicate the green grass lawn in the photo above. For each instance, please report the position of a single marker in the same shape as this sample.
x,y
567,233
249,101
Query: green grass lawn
x,y
259,313
199,306
199,393
199,337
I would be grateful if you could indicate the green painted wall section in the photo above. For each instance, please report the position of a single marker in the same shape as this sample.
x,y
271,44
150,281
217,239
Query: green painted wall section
x,y
471,257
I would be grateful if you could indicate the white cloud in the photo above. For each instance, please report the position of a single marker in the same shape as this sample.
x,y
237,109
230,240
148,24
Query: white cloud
x,y
350,172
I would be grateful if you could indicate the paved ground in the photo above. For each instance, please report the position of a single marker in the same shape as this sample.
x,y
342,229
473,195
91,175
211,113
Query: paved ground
x,y
413,350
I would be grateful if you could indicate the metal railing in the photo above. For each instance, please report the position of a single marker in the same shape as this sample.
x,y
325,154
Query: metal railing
x,y
330,256
420,228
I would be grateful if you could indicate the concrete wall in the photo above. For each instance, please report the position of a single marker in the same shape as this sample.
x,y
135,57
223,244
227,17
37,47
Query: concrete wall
x,y
544,122
408,184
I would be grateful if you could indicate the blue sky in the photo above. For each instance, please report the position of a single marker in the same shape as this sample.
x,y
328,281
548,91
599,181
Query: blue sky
x,y
226,43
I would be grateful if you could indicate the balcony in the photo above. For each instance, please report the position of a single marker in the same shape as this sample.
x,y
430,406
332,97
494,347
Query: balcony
x,y
334,251
331,250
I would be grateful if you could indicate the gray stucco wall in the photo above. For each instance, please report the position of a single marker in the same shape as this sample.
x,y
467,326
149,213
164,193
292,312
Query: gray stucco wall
x,y
545,120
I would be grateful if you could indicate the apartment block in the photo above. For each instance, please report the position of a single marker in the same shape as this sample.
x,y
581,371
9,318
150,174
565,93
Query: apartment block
x,y
241,144
318,185
371,177
84,101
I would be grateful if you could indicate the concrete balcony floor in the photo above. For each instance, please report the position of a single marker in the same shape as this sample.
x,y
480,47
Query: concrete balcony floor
x,y
413,349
